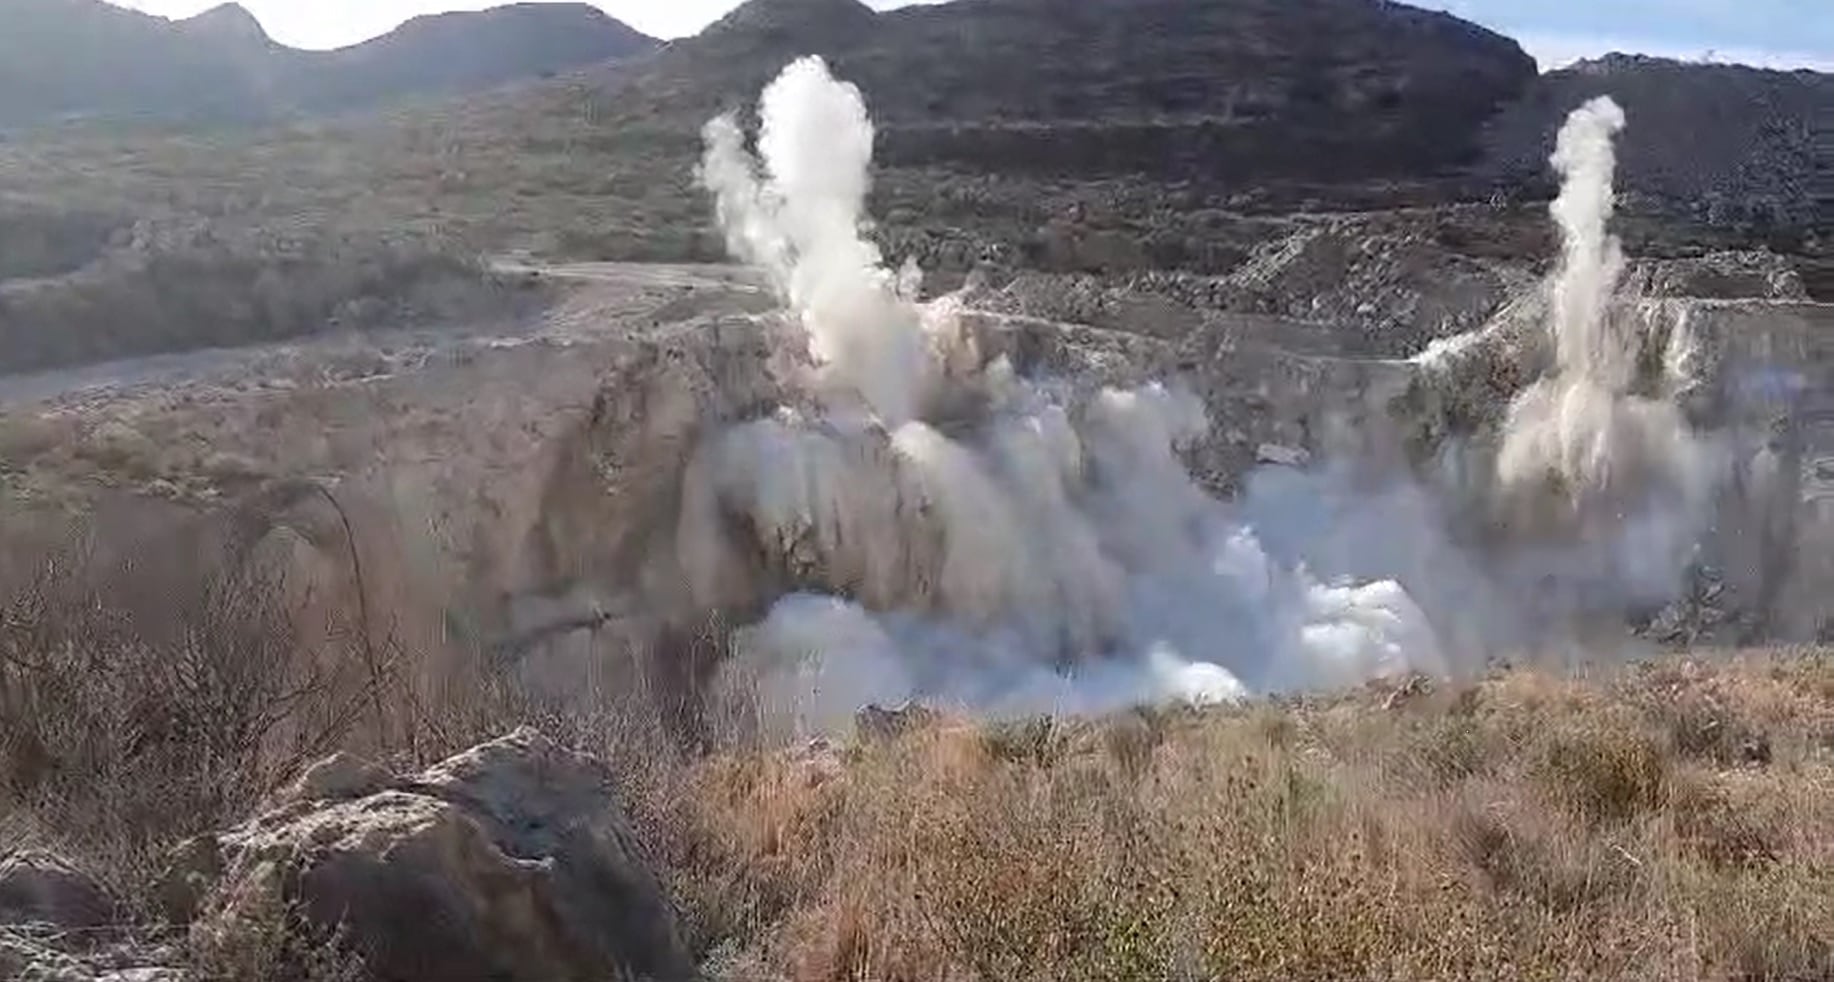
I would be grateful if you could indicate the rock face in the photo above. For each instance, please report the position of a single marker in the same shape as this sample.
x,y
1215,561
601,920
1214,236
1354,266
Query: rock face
x,y
625,520
508,862
1278,389
1756,389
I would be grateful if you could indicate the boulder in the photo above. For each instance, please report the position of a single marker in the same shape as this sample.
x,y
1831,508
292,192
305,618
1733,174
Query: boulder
x,y
878,723
42,953
511,861
42,888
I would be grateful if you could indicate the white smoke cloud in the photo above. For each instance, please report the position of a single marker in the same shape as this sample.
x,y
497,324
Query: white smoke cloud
x,y
921,523
1593,454
1047,554
801,222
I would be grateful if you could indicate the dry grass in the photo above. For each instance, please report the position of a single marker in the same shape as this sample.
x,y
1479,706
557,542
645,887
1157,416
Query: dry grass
x,y
1670,822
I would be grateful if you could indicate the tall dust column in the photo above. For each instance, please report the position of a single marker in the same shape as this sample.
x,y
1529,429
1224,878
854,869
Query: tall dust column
x,y
1592,455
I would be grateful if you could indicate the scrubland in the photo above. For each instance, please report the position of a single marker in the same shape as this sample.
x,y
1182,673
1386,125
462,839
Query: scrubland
x,y
1667,819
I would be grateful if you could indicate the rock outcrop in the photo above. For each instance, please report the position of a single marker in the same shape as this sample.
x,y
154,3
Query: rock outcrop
x,y
43,888
508,862
59,924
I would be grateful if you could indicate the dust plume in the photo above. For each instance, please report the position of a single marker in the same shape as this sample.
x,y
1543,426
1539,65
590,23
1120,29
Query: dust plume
x,y
925,523
1597,458
800,222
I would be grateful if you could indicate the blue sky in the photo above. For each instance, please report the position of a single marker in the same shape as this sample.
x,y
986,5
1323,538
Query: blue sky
x,y
1777,33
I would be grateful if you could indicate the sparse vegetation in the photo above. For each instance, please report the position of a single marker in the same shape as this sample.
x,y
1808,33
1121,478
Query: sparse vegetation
x,y
223,294
1522,826
1660,821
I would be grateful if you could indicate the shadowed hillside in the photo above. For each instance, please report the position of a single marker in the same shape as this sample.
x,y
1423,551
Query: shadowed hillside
x,y
1202,91
65,60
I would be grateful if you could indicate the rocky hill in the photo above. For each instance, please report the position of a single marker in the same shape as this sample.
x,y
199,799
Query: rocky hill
x,y
1248,90
1720,145
1356,159
1176,125
64,60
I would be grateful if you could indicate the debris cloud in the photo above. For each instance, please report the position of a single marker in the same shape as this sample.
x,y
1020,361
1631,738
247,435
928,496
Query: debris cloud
x,y
1045,550
917,520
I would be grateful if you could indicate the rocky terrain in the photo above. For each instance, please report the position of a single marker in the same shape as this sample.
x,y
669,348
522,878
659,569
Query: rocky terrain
x,y
1284,296
1379,141
1764,171
333,451
1217,94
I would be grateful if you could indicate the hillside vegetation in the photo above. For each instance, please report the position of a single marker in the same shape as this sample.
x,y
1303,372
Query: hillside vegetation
x,y
1659,822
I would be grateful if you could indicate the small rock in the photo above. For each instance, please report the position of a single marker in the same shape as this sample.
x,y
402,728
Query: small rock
x,y
1274,453
877,723
340,777
41,888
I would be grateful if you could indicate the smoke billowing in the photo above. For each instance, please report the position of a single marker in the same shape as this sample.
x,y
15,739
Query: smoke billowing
x,y
939,527
919,521
801,223
1597,456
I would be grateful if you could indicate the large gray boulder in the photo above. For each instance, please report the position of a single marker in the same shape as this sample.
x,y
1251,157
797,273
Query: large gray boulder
x,y
39,887
511,861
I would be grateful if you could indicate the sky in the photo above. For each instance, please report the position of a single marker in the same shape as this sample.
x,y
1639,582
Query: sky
x,y
1772,33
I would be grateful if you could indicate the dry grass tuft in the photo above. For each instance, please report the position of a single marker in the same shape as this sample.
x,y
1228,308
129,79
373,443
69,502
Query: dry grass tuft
x,y
1525,826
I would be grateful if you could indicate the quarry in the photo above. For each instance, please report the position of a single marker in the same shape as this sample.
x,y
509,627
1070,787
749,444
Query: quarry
x,y
1369,516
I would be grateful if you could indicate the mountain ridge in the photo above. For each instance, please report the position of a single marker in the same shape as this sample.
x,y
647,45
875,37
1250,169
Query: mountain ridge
x,y
86,60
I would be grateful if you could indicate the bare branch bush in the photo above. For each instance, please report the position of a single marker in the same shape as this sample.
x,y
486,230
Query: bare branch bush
x,y
145,698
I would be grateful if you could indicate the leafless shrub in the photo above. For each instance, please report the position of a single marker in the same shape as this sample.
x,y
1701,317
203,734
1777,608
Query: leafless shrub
x,y
277,943
159,676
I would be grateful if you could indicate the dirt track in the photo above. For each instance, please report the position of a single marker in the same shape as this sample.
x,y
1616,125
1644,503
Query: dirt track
x,y
601,301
